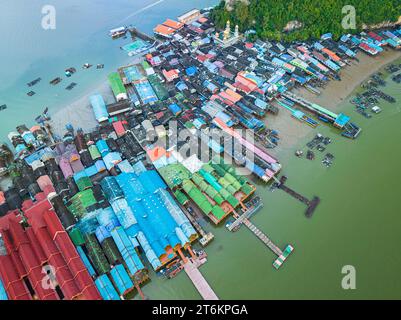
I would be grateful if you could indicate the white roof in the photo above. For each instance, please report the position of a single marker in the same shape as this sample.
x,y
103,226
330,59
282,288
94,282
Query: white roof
x,y
193,164
189,13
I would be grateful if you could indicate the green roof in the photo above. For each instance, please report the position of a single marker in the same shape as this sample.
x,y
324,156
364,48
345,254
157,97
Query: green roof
x,y
94,152
81,201
189,124
77,237
96,254
181,197
247,189
84,183
159,88
116,84
174,174
218,212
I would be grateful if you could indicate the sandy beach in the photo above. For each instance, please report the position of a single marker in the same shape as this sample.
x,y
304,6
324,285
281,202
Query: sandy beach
x,y
331,97
80,113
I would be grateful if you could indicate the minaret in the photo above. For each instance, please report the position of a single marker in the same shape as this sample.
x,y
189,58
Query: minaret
x,y
236,33
227,31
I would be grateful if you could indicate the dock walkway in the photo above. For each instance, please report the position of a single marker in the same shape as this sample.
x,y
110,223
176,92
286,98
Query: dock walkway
x,y
331,116
240,220
263,237
199,281
311,204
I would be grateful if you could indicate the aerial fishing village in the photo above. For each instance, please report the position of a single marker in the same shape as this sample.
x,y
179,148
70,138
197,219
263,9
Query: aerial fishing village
x,y
104,209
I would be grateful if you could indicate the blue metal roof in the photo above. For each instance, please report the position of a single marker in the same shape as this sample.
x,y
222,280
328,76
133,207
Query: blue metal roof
x,y
86,261
342,120
3,293
121,279
105,288
99,107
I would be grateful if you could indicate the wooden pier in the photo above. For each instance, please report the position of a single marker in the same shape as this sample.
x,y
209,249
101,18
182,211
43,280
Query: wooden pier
x,y
311,204
199,281
240,219
136,33
244,220
327,114
263,237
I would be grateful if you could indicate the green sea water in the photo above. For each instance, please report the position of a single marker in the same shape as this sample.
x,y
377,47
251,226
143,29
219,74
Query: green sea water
x,y
358,223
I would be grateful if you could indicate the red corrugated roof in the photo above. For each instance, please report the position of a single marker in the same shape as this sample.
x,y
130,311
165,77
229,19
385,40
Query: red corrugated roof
x,y
63,274
202,20
13,284
11,215
173,24
202,58
35,245
163,30
70,254
119,128
242,87
17,234
31,248
30,261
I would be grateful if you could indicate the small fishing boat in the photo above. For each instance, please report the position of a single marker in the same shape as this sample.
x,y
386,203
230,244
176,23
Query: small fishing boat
x,y
86,66
32,83
3,107
299,153
70,71
31,93
71,86
55,81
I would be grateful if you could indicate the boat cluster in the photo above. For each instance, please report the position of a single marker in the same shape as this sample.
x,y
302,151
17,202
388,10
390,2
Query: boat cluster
x,y
370,98
397,78
68,73
393,68
320,143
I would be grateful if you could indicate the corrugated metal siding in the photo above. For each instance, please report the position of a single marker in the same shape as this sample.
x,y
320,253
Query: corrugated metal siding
x,y
106,288
121,279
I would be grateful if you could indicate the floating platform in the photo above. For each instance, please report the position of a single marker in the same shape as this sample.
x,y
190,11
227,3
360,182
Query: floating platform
x,y
283,257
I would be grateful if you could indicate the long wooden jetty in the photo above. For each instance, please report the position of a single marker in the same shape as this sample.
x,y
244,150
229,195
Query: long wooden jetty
x,y
262,237
240,219
243,219
199,281
311,204
141,35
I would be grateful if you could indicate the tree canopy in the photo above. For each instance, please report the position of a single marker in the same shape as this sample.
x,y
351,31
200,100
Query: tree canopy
x,y
269,17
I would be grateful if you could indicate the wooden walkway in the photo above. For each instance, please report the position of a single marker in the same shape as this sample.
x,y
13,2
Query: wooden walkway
x,y
264,238
199,281
240,220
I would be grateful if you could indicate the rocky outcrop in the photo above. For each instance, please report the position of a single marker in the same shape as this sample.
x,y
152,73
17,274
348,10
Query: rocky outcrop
x,y
230,3
385,24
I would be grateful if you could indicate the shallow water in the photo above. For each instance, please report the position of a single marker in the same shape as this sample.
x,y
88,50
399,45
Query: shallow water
x,y
81,35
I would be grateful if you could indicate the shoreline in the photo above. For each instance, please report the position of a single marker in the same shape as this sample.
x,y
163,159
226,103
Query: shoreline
x,y
79,113
292,131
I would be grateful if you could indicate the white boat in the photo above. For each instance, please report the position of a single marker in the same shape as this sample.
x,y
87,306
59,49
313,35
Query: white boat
x,y
117,32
